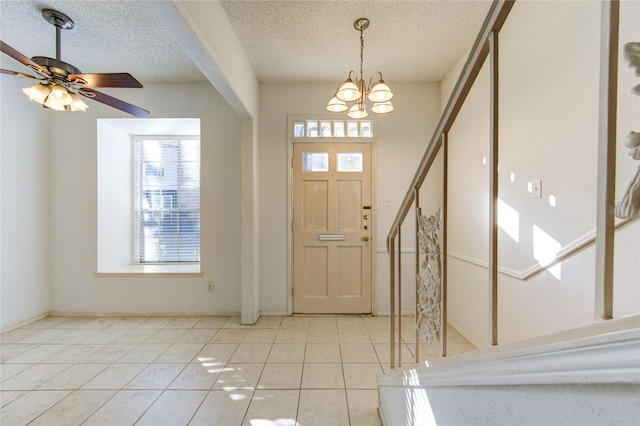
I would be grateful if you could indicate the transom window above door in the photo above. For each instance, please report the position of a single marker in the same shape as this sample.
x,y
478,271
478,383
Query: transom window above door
x,y
332,129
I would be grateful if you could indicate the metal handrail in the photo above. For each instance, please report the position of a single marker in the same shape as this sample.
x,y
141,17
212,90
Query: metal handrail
x,y
487,44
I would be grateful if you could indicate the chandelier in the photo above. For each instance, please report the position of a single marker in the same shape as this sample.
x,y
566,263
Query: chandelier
x,y
358,92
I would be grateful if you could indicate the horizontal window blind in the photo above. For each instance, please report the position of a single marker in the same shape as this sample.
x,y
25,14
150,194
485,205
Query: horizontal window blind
x,y
167,200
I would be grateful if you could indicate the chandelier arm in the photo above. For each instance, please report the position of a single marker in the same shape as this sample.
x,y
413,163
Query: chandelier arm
x,y
371,79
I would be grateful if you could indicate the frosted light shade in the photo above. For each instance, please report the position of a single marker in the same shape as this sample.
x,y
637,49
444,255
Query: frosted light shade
x,y
77,104
380,92
336,105
60,94
37,93
382,107
348,91
357,112
52,103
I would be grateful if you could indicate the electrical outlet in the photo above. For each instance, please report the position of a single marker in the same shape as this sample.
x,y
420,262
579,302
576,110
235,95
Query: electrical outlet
x,y
210,287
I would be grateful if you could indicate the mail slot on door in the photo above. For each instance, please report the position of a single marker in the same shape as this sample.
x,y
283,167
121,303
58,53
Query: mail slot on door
x,y
332,237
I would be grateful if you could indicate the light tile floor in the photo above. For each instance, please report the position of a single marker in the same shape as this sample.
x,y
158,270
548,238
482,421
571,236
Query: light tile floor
x,y
306,370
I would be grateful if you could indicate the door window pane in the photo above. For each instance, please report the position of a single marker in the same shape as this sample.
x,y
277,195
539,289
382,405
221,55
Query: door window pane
x,y
315,161
349,161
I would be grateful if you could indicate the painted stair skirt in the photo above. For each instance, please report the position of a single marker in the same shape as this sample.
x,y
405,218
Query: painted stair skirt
x,y
585,376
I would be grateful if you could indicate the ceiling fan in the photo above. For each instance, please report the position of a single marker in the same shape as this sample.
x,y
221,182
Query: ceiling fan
x,y
60,82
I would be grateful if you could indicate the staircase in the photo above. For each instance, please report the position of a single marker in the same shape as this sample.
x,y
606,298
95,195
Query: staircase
x,y
585,369
589,375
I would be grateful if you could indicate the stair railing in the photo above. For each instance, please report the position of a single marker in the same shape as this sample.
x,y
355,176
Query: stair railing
x,y
431,231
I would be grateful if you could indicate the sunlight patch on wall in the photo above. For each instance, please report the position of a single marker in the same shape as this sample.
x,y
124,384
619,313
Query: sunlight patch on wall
x,y
545,250
509,220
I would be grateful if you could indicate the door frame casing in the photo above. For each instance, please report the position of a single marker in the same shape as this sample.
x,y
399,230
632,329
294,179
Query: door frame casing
x,y
290,141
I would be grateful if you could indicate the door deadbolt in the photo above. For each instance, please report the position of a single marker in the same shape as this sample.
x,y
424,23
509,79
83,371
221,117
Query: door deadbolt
x,y
365,217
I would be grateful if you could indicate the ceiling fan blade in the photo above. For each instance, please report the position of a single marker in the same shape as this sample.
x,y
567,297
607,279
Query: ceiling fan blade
x,y
8,50
19,74
113,102
121,79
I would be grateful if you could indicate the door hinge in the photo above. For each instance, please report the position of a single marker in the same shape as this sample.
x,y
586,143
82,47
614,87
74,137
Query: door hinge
x,y
292,161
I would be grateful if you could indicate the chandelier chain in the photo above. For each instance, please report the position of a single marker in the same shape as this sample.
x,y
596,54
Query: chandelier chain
x,y
361,53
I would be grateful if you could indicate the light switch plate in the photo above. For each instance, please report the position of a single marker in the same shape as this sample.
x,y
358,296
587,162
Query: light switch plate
x,y
536,188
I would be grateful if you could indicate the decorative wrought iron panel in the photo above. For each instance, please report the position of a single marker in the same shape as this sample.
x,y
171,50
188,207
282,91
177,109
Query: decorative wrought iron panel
x,y
429,287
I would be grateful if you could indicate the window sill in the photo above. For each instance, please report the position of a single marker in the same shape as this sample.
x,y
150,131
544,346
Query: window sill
x,y
191,270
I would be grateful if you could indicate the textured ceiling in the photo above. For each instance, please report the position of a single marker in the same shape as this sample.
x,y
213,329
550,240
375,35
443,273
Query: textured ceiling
x,y
285,40
316,40
108,36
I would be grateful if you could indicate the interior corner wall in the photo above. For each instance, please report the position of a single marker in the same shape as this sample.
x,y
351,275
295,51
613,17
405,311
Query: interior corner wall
x,y
400,139
24,204
73,178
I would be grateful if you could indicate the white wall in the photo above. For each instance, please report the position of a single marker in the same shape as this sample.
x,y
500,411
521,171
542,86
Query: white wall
x,y
401,139
24,231
74,287
114,197
549,83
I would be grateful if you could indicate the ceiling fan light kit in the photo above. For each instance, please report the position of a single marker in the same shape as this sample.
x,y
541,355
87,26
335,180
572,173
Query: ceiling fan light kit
x,y
60,83
377,91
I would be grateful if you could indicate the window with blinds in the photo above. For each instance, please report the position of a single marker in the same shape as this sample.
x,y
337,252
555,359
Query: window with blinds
x,y
166,199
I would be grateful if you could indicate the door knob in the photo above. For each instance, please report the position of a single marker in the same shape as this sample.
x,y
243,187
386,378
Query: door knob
x,y
365,217
365,238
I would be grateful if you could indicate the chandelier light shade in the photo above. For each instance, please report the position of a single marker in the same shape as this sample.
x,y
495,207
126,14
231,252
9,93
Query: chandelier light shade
x,y
348,91
382,107
380,92
359,92
336,105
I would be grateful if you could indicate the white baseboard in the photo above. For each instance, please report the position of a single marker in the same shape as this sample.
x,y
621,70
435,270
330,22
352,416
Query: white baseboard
x,y
387,313
144,314
274,314
24,322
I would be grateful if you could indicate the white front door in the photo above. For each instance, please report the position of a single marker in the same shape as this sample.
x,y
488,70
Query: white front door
x,y
332,228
